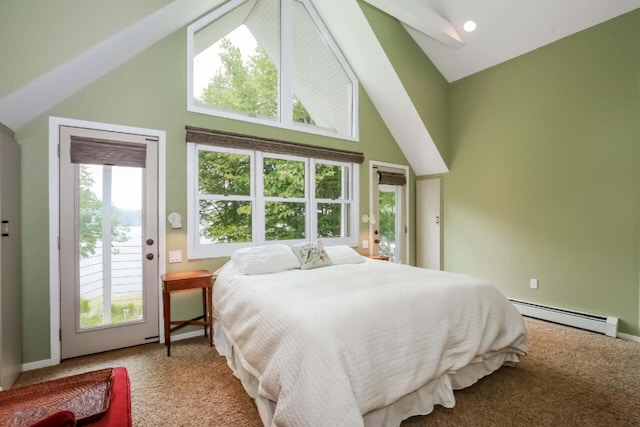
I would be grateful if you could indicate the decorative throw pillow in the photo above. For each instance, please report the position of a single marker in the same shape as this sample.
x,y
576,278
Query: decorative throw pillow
x,y
311,255
265,259
343,254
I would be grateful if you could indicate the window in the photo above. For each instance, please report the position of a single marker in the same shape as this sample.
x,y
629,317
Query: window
x,y
240,198
271,62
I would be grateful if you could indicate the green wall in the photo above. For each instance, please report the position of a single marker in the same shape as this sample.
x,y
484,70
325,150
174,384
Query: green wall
x,y
543,152
150,92
36,36
545,173
426,87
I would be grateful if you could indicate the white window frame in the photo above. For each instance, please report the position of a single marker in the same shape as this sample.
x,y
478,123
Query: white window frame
x,y
285,89
259,179
194,198
197,250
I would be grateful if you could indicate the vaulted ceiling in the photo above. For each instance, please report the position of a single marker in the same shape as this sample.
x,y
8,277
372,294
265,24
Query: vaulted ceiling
x,y
505,29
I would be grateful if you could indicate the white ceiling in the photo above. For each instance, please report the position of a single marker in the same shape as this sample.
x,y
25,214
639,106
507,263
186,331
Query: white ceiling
x,y
506,28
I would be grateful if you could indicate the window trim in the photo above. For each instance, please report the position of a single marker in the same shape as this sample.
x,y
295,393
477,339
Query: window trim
x,y
197,250
284,121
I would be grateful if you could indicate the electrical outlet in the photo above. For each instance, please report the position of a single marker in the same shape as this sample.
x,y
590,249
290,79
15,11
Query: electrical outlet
x,y
175,256
533,283
365,244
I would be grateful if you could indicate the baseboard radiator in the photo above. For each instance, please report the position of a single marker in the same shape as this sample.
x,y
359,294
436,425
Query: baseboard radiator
x,y
591,322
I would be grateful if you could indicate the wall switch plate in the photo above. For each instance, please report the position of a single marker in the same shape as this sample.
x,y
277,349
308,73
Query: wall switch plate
x,y
533,283
365,244
175,256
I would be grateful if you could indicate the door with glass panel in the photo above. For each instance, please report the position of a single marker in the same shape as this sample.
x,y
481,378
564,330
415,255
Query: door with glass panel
x,y
389,201
108,240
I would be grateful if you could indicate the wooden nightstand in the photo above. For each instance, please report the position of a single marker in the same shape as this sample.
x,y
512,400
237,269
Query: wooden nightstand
x,y
182,281
379,257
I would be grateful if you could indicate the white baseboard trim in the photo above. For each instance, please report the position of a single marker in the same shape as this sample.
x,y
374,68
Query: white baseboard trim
x,y
49,362
37,365
187,335
628,337
591,322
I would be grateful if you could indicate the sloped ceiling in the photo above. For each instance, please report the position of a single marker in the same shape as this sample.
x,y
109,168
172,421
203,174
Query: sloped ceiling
x,y
41,94
505,29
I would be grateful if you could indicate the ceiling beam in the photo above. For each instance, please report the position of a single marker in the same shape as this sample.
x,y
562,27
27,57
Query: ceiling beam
x,y
25,104
351,31
414,14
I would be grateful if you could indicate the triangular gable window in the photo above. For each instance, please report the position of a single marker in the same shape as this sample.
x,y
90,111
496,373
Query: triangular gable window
x,y
271,62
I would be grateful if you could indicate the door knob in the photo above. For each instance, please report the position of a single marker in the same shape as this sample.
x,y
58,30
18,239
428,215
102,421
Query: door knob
x,y
149,257
149,242
377,241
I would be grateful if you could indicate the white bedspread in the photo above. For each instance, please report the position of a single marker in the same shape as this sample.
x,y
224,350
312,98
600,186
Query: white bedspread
x,y
331,344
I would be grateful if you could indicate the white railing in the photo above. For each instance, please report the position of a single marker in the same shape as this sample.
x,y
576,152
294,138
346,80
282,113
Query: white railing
x,y
125,275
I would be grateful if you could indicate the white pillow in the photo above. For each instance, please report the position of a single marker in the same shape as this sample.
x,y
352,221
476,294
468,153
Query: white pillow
x,y
343,254
265,259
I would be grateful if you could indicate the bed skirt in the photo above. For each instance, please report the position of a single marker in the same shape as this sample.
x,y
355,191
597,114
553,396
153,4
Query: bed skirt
x,y
419,402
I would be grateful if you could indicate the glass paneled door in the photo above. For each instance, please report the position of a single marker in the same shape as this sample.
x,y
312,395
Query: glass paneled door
x,y
108,241
389,202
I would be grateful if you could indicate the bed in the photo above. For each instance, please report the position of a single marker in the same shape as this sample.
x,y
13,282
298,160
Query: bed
x,y
357,342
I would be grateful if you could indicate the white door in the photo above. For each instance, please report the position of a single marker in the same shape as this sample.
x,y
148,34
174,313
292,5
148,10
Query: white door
x,y
389,213
108,240
429,223
10,262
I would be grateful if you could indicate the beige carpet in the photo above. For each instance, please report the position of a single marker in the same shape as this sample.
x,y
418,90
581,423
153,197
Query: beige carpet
x,y
570,378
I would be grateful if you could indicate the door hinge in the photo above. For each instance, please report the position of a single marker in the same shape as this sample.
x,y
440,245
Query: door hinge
x,y
58,150
58,242
60,335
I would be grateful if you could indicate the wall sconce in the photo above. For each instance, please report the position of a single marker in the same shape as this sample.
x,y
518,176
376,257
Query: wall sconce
x,y
369,219
175,219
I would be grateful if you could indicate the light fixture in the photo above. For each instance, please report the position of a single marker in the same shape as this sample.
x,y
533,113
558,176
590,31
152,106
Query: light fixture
x,y
175,219
469,26
368,219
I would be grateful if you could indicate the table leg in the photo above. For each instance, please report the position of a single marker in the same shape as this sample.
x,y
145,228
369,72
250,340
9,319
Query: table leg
x,y
210,292
210,310
166,308
204,309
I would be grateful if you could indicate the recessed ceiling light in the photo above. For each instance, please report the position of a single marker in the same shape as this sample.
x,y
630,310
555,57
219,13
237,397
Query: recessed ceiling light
x,y
469,26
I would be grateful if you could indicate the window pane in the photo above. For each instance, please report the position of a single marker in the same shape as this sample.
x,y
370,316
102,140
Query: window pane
x,y
333,220
228,174
387,208
332,182
284,220
283,178
110,252
225,221
322,89
238,69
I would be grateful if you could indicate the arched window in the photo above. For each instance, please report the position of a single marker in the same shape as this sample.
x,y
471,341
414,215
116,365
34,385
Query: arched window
x,y
271,62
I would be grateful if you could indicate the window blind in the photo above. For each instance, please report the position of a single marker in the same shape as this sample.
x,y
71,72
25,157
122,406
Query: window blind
x,y
268,145
95,151
391,178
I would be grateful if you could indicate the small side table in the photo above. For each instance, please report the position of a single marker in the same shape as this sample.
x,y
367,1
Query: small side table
x,y
379,257
182,281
